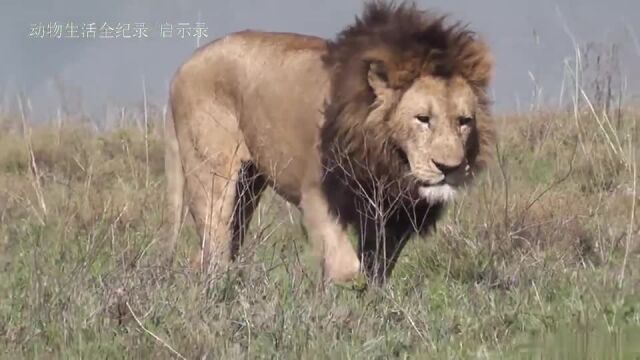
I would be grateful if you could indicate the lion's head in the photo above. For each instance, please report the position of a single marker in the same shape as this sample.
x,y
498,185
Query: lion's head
x,y
408,103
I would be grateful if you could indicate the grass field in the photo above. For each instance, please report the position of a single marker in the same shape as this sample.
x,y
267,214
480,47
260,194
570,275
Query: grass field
x,y
541,259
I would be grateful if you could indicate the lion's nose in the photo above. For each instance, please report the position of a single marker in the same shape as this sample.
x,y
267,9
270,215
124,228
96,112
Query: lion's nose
x,y
446,168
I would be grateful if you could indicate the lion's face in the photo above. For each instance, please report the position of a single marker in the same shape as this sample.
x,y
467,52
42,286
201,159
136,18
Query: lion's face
x,y
433,123
409,103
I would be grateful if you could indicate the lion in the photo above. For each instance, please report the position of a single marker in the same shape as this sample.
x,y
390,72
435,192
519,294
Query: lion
x,y
375,130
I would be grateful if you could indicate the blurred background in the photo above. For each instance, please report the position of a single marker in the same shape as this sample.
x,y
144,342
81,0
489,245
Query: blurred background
x,y
534,43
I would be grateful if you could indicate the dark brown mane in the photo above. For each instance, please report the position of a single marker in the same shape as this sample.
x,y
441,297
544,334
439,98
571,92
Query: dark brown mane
x,y
412,43
416,41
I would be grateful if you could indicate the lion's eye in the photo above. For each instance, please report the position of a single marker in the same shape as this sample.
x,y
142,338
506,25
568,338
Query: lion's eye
x,y
423,119
464,120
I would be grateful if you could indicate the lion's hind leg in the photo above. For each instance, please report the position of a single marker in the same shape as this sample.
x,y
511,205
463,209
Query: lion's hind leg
x,y
213,153
223,218
211,194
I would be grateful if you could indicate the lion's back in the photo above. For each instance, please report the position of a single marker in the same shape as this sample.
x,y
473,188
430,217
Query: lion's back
x,y
243,57
273,85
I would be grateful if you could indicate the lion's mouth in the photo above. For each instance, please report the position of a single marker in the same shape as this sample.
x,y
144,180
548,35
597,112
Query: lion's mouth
x,y
426,183
441,181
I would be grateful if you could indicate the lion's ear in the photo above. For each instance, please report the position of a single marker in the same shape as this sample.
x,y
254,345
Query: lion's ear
x,y
378,77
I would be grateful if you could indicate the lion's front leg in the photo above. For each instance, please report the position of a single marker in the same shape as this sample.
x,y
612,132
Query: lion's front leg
x,y
329,239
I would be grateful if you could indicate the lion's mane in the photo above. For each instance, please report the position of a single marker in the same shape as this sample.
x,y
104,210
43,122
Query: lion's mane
x,y
412,43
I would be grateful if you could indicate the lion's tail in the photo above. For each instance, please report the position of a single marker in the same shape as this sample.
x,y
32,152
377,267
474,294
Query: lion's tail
x,y
174,172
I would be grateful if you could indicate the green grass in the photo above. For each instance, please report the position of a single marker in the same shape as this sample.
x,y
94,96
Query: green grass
x,y
539,260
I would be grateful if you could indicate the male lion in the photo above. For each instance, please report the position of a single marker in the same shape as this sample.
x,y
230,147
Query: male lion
x,y
375,129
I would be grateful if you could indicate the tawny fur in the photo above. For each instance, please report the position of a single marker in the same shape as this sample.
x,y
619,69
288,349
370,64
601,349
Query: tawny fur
x,y
324,123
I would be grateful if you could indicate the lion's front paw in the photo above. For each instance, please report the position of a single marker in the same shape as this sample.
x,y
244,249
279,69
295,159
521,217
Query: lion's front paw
x,y
359,283
342,266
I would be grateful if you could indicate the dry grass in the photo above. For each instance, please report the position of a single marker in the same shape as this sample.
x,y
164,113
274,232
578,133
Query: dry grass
x,y
539,259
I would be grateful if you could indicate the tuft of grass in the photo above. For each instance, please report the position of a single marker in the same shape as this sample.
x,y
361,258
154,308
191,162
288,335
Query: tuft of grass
x,y
540,259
